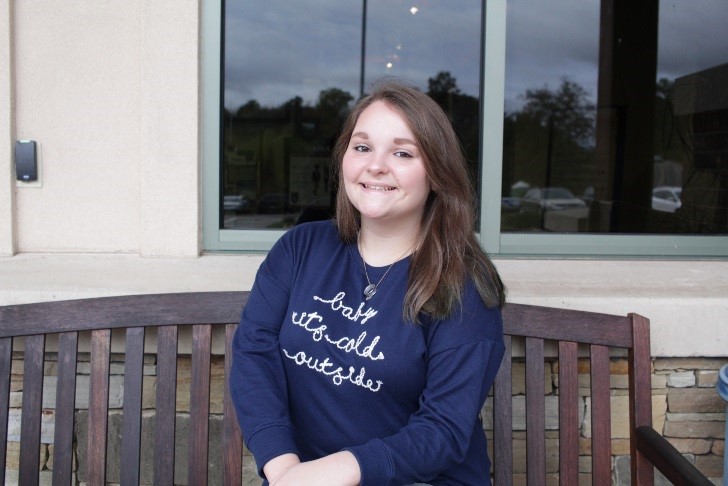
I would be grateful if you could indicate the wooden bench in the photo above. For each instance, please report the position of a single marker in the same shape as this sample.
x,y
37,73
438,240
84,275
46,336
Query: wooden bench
x,y
529,329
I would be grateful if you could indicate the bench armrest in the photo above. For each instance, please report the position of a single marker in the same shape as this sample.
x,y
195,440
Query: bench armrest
x,y
667,459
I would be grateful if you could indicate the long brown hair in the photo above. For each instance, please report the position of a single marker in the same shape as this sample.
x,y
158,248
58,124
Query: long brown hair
x,y
447,251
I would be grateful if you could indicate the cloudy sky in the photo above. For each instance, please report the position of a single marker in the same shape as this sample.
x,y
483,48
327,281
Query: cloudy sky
x,y
278,49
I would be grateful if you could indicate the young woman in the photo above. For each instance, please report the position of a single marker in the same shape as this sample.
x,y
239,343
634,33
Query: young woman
x,y
368,344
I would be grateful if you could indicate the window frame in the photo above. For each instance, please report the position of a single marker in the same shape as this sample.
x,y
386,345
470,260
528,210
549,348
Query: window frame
x,y
567,245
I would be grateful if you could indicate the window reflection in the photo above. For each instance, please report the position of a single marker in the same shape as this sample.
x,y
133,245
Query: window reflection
x,y
632,133
292,70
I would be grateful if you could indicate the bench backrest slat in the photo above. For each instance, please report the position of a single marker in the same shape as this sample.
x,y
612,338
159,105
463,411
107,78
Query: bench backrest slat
x,y
232,437
600,412
503,419
535,412
131,425
166,402
568,414
640,397
199,404
6,361
65,407
32,403
98,406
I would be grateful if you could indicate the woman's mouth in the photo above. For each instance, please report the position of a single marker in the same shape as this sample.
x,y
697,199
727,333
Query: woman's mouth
x,y
378,187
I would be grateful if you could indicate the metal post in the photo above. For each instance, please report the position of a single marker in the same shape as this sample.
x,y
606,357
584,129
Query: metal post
x,y
363,47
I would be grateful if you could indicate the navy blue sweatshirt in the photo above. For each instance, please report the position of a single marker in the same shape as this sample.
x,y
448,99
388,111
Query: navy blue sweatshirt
x,y
318,369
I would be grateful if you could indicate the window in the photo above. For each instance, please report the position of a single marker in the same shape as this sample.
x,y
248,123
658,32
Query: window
x,y
632,132
592,127
292,70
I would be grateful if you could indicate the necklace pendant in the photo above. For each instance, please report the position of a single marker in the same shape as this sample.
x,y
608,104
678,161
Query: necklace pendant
x,y
370,290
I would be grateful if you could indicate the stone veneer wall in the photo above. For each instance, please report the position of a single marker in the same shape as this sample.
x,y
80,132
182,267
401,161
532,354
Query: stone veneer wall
x,y
686,409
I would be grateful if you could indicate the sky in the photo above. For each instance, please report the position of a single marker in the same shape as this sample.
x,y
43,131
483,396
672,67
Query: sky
x,y
278,49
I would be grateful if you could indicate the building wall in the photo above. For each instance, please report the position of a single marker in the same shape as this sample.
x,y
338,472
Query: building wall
x,y
111,93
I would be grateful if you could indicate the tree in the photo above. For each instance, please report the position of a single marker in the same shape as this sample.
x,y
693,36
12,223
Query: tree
x,y
442,83
566,111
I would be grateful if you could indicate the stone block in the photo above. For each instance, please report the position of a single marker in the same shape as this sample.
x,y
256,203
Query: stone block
x,y
45,478
147,448
621,473
710,465
518,405
690,446
688,363
718,448
47,425
619,416
659,381
620,447
695,430
707,379
617,366
12,458
585,448
681,379
518,379
552,456
695,417
659,411
615,382
116,391
217,385
551,418
692,400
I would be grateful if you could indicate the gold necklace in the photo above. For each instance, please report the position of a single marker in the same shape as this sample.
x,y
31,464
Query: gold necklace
x,y
371,288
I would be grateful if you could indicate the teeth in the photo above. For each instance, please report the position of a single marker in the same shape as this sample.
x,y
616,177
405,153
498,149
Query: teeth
x,y
379,188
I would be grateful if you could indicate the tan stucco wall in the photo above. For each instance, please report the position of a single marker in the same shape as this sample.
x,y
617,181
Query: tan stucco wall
x,y
7,133
109,91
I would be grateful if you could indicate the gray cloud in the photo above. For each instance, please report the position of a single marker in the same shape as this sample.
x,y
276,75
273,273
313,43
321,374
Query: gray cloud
x,y
278,49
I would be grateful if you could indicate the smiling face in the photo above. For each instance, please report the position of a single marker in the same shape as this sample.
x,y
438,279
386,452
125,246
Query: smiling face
x,y
383,169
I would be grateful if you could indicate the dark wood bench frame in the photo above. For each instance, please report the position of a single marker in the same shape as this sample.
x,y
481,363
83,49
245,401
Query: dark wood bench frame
x,y
206,310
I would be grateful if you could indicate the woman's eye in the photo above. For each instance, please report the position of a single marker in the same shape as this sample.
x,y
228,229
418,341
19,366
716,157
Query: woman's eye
x,y
361,148
402,153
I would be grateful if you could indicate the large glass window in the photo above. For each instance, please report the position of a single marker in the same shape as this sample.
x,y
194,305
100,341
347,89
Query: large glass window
x,y
616,117
293,69
593,127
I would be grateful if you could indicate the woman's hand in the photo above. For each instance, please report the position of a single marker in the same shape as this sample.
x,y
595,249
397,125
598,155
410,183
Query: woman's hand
x,y
340,469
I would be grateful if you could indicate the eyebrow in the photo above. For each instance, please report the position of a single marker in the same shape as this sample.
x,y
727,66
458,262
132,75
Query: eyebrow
x,y
404,141
397,141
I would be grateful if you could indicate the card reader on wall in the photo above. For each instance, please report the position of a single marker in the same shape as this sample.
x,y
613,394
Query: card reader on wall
x,y
26,162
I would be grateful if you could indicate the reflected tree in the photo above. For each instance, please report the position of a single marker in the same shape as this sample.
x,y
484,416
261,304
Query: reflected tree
x,y
550,141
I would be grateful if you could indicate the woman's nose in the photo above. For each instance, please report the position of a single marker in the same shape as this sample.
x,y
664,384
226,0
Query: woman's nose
x,y
378,163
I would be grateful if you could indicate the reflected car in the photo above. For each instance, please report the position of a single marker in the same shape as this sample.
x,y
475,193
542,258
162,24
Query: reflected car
x,y
509,204
235,203
542,199
666,198
273,203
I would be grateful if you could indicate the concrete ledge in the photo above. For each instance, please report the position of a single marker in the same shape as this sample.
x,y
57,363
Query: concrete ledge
x,y
686,301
